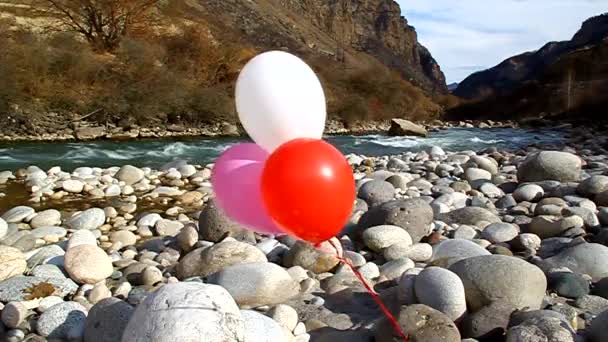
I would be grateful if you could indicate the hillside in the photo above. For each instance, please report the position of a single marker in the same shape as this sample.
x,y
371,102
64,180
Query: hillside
x,y
512,72
181,68
561,81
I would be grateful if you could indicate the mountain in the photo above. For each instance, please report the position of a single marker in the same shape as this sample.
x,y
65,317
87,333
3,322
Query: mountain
x,y
513,71
366,54
452,86
344,30
561,77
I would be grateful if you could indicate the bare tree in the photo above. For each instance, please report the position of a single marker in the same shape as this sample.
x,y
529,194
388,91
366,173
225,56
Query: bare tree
x,y
101,22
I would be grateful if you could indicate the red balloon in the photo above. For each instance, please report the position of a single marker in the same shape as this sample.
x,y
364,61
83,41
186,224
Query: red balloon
x,y
308,189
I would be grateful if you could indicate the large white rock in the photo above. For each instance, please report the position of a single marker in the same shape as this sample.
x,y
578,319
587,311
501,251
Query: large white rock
x,y
186,311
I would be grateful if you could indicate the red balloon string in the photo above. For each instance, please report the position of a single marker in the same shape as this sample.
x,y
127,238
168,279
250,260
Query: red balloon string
x,y
371,291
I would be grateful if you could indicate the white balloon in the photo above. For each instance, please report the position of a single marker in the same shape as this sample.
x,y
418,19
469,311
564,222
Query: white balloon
x,y
279,98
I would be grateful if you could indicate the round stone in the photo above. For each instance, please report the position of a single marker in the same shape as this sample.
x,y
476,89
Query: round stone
x,y
49,232
451,251
64,321
593,185
125,237
13,314
17,214
499,232
529,193
550,165
89,219
151,276
186,311
82,237
130,174
46,218
285,315
442,290
73,185
380,237
376,192
214,225
585,258
313,259
420,323
12,262
107,320
413,215
490,278
266,284
203,262
87,264
259,327
569,285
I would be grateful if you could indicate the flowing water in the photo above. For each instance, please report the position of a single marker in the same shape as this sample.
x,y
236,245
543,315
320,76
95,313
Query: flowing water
x,y
154,153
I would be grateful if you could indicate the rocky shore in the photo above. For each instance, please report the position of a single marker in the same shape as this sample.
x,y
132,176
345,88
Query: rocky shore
x,y
88,132
463,246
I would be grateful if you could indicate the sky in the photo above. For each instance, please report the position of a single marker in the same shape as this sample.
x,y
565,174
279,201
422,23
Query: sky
x,y
466,36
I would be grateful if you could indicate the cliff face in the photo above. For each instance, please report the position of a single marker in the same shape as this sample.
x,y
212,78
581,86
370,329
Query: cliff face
x,y
375,27
349,31
504,78
563,80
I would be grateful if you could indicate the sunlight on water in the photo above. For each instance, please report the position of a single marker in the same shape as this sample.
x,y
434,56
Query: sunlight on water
x,y
155,153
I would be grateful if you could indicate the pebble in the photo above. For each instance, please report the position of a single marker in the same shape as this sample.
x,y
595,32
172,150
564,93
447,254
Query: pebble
x,y
500,232
592,304
48,302
98,293
208,260
166,227
13,314
12,262
73,186
449,252
420,323
126,238
442,290
585,258
87,264
376,192
89,219
17,214
284,315
82,237
107,320
50,217
259,327
48,231
266,284
413,215
380,237
63,321
395,268
528,193
310,258
569,285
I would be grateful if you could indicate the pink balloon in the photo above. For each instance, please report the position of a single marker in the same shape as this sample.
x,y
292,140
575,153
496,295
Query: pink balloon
x,y
236,180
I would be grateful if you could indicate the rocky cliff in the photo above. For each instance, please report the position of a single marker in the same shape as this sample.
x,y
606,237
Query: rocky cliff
x,y
514,71
348,31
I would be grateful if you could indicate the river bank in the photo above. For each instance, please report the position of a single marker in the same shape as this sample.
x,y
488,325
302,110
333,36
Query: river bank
x,y
493,242
86,132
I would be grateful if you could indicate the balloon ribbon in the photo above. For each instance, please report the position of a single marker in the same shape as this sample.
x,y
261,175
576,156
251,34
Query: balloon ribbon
x,y
372,292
